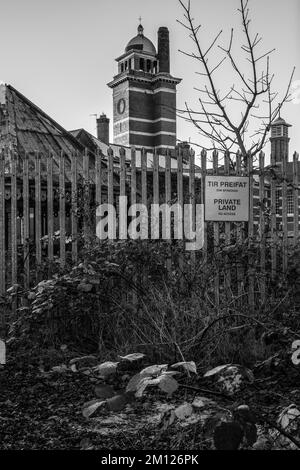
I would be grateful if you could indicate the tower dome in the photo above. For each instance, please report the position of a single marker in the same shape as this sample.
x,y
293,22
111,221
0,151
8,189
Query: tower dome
x,y
141,43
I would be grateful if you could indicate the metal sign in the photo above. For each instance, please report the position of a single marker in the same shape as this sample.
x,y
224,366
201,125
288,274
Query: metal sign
x,y
227,198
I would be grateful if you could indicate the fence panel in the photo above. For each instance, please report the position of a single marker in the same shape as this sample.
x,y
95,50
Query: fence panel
x,y
34,206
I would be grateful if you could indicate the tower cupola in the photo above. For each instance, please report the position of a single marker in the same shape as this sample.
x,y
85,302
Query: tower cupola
x,y
279,128
280,139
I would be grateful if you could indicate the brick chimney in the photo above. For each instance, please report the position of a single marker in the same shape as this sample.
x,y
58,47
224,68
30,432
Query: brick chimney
x,y
163,50
103,129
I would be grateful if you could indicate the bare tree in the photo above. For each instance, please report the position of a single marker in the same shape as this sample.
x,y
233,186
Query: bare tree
x,y
259,105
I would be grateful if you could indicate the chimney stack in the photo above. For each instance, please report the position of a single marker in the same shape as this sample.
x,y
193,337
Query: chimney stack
x,y
163,49
103,129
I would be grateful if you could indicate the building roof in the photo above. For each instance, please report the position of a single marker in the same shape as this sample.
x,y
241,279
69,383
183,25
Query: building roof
x,y
24,127
280,121
141,43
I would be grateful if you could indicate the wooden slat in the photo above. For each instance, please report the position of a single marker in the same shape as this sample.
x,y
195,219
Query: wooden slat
x,y
155,232
216,227
273,219
296,196
86,192
2,223
38,213
122,172
181,209
74,207
98,164
250,235
168,197
180,189
50,215
227,235
203,172
133,175
262,225
239,227
62,210
192,199
284,213
122,202
98,180
144,175
155,177
26,221
144,166
110,181
132,202
14,261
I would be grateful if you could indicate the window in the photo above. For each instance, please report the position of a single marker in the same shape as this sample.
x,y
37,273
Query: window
x,y
290,201
148,65
277,131
122,68
142,64
130,64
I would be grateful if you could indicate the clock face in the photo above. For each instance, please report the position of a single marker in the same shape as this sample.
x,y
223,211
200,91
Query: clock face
x,y
121,105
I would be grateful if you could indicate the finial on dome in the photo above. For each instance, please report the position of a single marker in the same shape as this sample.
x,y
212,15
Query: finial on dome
x,y
140,27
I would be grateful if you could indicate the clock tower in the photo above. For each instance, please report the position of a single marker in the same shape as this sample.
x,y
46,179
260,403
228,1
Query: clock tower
x,y
144,94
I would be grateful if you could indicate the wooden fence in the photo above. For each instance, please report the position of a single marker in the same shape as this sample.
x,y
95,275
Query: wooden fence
x,y
46,204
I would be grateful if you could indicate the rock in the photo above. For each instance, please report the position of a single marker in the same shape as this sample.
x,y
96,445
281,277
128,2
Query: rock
x,y
230,377
83,362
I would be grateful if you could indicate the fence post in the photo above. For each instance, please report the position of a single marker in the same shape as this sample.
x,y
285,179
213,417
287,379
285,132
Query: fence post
x,y
250,233
284,213
62,210
262,224
239,237
192,199
26,235
180,212
296,196
227,235
122,208
168,196
216,227
203,173
74,207
37,214
86,192
110,183
273,218
13,200
2,222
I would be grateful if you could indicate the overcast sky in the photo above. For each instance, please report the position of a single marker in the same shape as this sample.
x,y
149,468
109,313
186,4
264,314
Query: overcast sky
x,y
60,53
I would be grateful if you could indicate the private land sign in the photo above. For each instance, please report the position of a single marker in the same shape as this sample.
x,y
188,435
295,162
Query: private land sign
x,y
227,198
